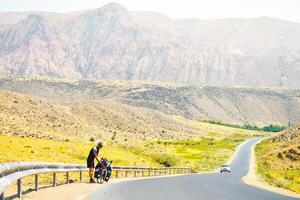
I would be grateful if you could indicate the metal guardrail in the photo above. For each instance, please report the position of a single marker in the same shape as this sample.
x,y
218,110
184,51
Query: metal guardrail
x,y
12,172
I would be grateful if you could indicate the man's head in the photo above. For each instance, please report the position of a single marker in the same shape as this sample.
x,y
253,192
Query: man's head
x,y
100,144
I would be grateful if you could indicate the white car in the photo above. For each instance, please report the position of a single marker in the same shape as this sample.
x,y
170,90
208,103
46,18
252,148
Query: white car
x,y
225,168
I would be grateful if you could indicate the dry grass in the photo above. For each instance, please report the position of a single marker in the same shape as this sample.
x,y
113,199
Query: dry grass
x,y
30,117
279,159
31,149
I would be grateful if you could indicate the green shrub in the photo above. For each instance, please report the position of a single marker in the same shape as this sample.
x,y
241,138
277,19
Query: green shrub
x,y
165,159
281,182
269,128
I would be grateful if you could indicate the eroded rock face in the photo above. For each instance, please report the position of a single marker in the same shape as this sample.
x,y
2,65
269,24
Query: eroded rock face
x,y
112,43
289,135
287,148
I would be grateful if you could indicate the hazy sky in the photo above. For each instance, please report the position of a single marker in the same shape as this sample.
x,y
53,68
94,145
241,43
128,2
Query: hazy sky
x,y
204,9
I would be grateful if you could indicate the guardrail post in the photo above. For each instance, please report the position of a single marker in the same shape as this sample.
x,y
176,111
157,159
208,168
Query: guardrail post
x,y
80,176
134,173
67,177
36,182
54,180
154,173
143,173
149,173
19,188
126,174
116,174
2,196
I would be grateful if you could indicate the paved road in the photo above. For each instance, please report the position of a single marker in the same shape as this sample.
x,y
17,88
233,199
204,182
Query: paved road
x,y
215,186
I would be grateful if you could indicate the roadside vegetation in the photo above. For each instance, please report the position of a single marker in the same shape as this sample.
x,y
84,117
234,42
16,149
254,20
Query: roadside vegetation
x,y
204,153
212,147
269,128
278,160
43,150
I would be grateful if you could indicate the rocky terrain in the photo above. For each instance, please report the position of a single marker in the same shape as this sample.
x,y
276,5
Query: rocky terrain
x,y
113,43
288,150
279,159
290,135
31,117
228,104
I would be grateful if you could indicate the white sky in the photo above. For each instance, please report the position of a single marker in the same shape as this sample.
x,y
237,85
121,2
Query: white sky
x,y
203,9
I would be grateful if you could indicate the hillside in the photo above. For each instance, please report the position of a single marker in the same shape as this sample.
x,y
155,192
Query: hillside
x,y
147,136
24,116
228,104
113,43
279,159
30,117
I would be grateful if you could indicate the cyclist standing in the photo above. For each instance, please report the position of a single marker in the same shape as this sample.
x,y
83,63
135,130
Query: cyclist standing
x,y
94,152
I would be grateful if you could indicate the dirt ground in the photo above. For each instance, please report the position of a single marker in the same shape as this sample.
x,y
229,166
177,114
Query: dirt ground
x,y
78,191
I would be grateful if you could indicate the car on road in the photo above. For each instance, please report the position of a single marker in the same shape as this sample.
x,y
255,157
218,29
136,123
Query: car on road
x,y
225,168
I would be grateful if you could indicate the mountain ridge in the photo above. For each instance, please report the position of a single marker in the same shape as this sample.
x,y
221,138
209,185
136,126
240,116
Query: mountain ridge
x,y
112,43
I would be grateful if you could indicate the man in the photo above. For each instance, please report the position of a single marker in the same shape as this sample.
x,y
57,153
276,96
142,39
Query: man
x,y
90,160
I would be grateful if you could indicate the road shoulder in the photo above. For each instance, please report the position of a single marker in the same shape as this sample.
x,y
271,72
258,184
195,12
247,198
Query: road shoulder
x,y
78,191
253,179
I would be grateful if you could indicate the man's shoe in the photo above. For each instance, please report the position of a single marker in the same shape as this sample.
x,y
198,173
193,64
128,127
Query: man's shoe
x,y
92,181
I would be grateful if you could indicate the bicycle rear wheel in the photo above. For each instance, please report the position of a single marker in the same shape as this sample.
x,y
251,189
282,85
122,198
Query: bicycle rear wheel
x,y
103,176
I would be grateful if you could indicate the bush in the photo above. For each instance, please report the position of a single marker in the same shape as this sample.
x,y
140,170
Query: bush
x,y
281,183
165,159
269,128
273,128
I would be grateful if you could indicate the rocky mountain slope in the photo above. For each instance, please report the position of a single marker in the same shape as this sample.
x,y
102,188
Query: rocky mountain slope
x,y
288,147
30,117
231,105
279,159
112,43
88,120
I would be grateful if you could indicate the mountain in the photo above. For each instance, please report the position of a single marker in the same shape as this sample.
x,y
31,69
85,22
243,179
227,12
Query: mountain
x,y
112,43
235,105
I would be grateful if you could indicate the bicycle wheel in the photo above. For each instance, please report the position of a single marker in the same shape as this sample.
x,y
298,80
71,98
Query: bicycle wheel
x,y
103,176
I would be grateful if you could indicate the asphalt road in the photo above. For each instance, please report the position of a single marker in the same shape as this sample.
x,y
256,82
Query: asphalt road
x,y
214,186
